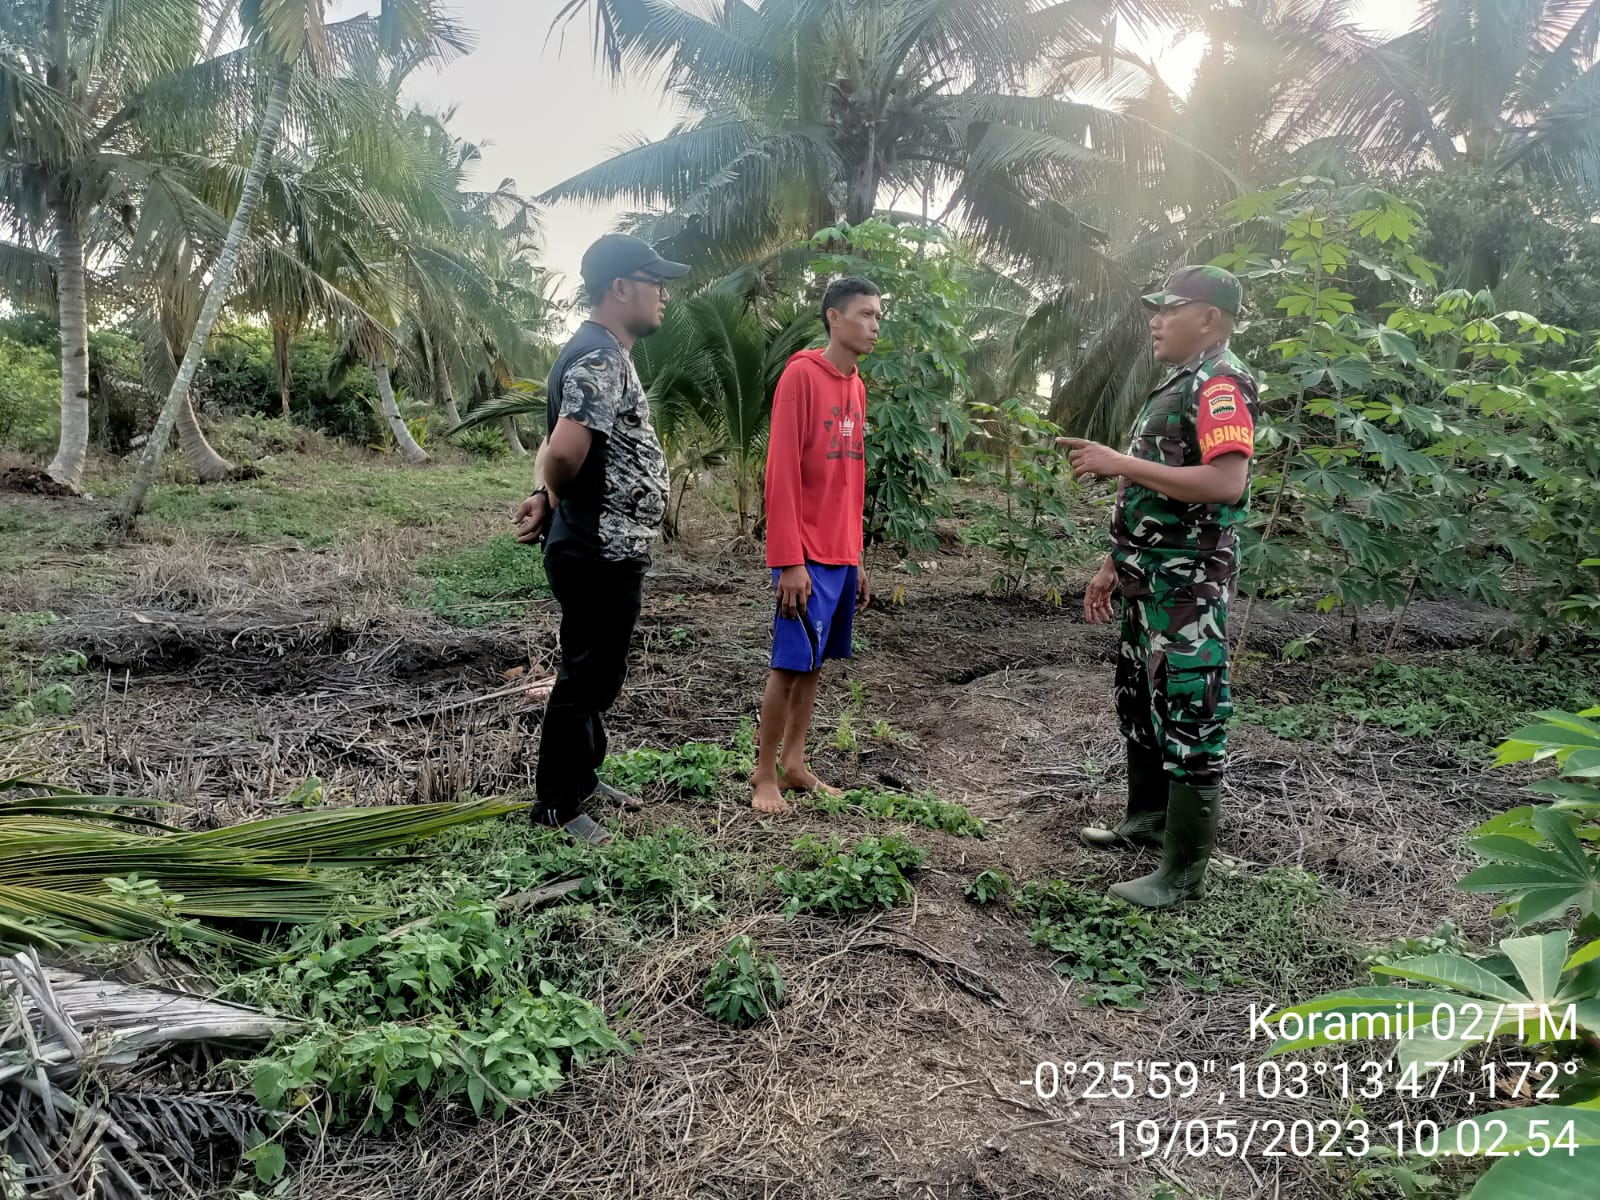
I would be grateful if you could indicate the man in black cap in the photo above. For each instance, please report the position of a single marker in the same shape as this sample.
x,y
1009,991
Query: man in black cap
x,y
601,493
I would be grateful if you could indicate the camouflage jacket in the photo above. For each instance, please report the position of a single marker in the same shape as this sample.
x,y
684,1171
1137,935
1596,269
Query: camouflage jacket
x,y
1158,544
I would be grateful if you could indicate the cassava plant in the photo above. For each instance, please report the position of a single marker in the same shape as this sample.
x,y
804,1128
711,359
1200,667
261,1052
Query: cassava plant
x,y
1416,440
1540,990
1031,531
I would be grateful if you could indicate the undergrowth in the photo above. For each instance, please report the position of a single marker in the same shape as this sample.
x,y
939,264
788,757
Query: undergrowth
x,y
1259,931
474,993
34,686
700,771
926,810
1467,703
870,874
479,584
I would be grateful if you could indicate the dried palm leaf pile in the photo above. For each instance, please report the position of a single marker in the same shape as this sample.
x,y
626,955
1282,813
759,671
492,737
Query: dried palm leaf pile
x,y
97,1073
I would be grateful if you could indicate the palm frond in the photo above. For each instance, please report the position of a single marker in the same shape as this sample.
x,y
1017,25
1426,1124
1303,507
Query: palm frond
x,y
58,849
27,275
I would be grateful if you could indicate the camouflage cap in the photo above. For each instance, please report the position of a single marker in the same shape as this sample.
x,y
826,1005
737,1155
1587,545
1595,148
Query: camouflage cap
x,y
1208,285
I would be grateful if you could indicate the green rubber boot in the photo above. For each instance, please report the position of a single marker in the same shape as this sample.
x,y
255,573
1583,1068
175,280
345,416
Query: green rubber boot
x,y
1191,835
1147,806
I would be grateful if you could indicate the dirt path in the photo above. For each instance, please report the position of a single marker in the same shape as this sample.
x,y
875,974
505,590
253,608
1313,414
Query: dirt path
x,y
902,1065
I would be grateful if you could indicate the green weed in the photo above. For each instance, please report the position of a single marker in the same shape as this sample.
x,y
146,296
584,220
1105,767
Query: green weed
x,y
844,734
1446,939
990,886
1259,931
70,663
462,996
885,732
692,770
745,985
1465,703
871,874
428,1014
926,810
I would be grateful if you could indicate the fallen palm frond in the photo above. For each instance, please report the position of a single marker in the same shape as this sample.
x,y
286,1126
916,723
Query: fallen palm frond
x,y
113,1139
75,869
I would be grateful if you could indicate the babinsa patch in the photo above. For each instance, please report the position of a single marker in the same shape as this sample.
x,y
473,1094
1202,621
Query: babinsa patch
x,y
1221,397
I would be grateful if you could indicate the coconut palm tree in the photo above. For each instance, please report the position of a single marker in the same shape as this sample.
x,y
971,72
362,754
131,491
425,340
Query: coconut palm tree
x,y
288,35
808,111
1509,85
88,86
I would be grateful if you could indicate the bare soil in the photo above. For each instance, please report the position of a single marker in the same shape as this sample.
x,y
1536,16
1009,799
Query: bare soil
x,y
903,1064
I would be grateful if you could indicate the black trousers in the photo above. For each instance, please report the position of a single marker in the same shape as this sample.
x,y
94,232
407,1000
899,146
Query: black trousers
x,y
600,602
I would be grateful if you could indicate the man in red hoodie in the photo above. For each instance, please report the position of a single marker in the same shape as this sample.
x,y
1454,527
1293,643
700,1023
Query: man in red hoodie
x,y
816,493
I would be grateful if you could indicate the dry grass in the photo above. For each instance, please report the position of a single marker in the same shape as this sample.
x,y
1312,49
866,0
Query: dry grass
x,y
896,1068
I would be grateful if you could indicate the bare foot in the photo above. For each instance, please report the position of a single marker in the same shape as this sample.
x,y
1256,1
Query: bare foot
x,y
768,798
539,691
802,779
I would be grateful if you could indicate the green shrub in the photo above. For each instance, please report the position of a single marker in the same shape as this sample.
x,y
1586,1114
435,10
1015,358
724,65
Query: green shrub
x,y
238,375
692,770
483,442
30,395
871,874
744,985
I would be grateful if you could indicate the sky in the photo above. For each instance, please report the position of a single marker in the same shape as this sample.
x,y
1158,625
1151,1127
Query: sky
x,y
543,109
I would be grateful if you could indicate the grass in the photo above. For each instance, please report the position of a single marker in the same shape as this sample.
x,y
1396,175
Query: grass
x,y
1472,703
479,584
301,501
316,502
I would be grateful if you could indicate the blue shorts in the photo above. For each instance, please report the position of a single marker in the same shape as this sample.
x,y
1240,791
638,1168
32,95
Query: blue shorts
x,y
804,643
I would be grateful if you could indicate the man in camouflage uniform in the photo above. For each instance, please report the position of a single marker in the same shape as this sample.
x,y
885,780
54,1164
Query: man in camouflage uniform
x,y
1183,489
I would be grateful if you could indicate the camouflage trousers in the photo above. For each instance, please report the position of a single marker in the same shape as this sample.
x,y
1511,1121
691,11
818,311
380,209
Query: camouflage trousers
x,y
1172,681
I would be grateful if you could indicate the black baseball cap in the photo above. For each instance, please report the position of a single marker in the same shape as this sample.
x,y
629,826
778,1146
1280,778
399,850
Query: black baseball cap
x,y
618,255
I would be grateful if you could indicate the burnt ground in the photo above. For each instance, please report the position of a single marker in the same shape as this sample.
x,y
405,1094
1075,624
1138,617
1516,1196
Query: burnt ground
x,y
902,1064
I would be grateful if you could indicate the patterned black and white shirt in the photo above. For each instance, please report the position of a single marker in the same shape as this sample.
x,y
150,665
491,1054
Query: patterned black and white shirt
x,y
615,507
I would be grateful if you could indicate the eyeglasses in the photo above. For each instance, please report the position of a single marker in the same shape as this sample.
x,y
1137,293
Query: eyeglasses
x,y
660,284
1172,306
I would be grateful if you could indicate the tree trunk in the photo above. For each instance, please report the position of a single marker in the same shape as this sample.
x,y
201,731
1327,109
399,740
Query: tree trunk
x,y
414,454
280,360
207,463
446,391
220,29
863,198
72,292
227,265
175,308
510,427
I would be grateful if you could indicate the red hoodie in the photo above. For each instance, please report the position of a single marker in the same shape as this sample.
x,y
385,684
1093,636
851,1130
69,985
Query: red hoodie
x,y
816,464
